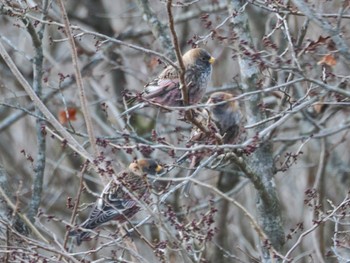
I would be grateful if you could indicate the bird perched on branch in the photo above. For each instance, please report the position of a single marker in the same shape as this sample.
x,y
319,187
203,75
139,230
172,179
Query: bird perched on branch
x,y
229,120
118,200
226,116
165,89
225,113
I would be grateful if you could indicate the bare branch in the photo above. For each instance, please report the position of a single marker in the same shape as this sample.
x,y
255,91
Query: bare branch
x,y
82,94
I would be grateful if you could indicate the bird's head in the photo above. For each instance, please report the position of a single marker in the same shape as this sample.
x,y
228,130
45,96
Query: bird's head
x,y
220,97
198,56
146,166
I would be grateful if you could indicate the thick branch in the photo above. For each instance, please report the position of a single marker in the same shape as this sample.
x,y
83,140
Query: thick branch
x,y
79,80
157,27
40,123
261,160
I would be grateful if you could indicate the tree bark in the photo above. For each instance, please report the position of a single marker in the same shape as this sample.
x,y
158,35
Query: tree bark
x,y
261,160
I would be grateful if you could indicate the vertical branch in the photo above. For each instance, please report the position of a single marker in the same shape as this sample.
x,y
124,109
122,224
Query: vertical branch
x,y
318,236
261,161
182,69
40,164
76,204
79,79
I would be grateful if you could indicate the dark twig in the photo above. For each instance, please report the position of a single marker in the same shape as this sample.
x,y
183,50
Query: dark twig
x,y
76,203
182,69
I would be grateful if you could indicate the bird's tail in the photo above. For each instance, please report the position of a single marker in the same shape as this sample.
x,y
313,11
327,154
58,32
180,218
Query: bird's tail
x,y
133,108
79,235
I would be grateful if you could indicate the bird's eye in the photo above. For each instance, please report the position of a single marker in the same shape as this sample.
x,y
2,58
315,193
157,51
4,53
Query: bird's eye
x,y
205,58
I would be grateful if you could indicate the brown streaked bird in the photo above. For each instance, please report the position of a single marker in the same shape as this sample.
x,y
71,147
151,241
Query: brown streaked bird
x,y
229,120
164,89
226,116
115,203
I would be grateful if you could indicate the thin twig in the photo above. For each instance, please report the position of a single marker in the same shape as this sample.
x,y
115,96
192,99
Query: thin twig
x,y
50,118
334,33
76,203
82,95
23,217
345,202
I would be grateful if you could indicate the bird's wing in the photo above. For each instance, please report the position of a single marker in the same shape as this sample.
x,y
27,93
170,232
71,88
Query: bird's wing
x,y
167,80
98,217
160,86
109,210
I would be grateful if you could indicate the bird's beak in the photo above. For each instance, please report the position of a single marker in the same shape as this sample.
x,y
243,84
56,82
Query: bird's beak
x,y
159,169
211,60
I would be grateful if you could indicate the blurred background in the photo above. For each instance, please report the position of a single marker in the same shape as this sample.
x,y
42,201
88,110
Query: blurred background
x,y
301,64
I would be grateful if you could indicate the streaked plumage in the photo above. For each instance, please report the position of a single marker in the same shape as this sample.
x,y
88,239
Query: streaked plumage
x,y
115,203
164,89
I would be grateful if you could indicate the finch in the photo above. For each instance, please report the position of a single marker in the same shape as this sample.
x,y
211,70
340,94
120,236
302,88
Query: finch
x,y
114,202
227,116
164,89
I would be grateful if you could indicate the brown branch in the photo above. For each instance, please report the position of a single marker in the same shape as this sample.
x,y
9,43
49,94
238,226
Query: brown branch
x,y
182,69
82,95
76,204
